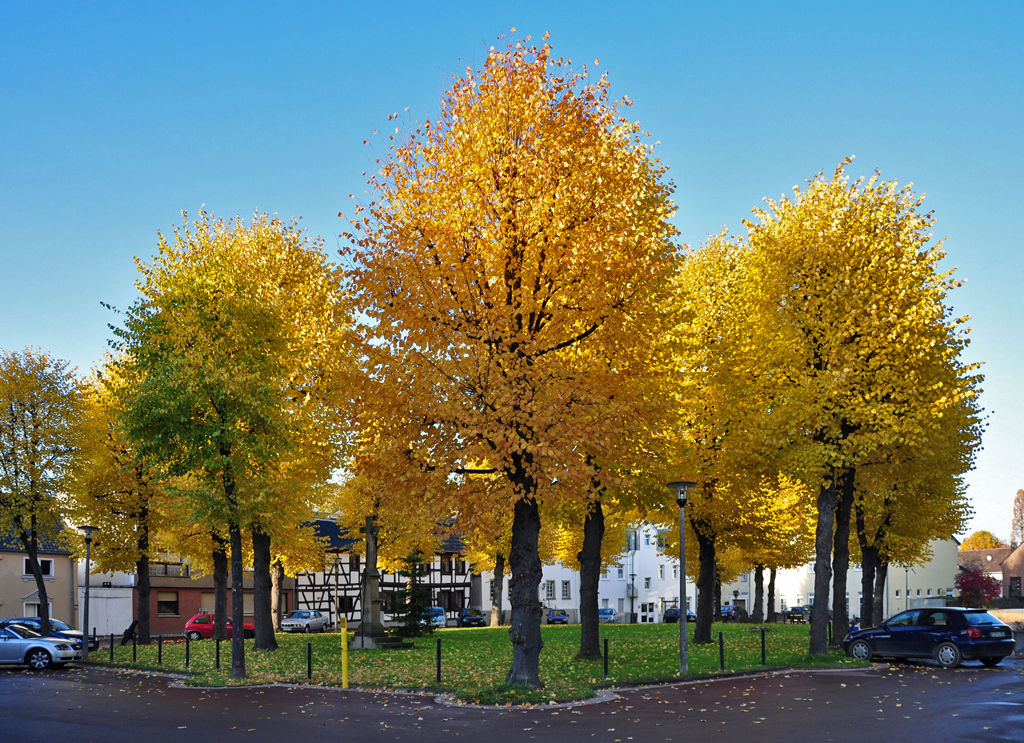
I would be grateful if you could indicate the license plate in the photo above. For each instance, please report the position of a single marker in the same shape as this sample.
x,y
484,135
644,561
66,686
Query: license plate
x,y
998,634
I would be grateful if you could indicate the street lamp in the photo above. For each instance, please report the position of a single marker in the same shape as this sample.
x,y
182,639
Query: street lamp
x,y
681,489
87,531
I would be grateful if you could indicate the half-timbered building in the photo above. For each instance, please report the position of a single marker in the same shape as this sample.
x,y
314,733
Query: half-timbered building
x,y
337,589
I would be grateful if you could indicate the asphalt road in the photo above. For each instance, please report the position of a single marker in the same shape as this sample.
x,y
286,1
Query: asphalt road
x,y
912,702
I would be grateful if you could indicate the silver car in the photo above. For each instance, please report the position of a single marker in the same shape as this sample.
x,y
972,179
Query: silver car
x,y
304,621
21,646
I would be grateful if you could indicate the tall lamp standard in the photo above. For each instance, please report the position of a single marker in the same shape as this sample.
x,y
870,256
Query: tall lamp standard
x,y
682,488
87,531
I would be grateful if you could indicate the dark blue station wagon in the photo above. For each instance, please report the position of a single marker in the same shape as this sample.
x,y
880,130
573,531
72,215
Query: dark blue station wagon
x,y
947,635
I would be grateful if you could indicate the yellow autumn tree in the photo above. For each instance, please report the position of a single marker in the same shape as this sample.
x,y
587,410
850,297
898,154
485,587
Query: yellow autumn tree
x,y
850,281
240,362
40,430
510,270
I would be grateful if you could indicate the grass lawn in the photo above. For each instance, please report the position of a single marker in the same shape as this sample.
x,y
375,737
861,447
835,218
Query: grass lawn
x,y
474,661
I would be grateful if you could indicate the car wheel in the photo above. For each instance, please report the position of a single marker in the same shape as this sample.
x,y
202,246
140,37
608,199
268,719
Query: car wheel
x,y
248,634
948,655
991,661
323,628
860,650
38,659
194,635
307,628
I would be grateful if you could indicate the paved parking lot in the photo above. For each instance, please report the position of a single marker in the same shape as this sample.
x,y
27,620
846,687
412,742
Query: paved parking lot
x,y
908,702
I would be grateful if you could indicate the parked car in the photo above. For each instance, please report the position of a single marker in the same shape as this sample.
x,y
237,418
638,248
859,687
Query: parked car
x,y
472,618
57,629
730,612
558,616
671,615
797,614
948,635
20,645
606,614
434,616
304,620
201,627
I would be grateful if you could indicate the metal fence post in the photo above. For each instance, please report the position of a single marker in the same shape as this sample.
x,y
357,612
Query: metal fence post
x,y
721,651
309,660
187,651
217,653
111,647
439,660
606,657
134,646
159,650
344,652
763,657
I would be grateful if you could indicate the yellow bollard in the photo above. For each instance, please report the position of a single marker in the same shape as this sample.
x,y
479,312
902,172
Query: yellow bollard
x,y
344,652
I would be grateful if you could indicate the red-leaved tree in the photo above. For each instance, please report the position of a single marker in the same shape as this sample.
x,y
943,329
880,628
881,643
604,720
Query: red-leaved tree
x,y
976,588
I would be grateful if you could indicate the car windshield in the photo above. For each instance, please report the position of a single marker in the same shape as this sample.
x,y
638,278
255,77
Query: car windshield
x,y
296,615
59,625
558,612
974,618
474,613
22,632
435,611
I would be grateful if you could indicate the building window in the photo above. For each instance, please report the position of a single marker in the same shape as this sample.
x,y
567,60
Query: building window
x,y
810,599
549,590
675,572
620,572
167,603
604,603
605,575
1015,586
743,578
45,567
647,582
897,593
566,590
353,562
171,570
647,540
460,566
447,565
661,572
622,605
929,592
918,591
942,591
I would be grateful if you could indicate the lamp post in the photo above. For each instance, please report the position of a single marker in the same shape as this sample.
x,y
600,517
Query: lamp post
x,y
87,532
681,489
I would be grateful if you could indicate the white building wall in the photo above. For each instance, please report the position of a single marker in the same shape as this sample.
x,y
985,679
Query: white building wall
x,y
656,583
110,606
929,582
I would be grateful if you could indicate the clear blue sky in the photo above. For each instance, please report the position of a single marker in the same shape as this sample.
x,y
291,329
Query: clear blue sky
x,y
115,117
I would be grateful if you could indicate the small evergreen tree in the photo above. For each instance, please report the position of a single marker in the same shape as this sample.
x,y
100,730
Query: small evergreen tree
x,y
414,600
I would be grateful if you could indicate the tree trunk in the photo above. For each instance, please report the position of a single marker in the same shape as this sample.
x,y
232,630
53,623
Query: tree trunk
x,y
30,541
880,575
590,577
868,562
706,578
718,595
771,596
143,588
822,567
220,589
841,557
524,586
237,605
497,589
758,614
262,585
276,579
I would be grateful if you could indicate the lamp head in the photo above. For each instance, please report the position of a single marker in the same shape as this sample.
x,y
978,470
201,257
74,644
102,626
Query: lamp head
x,y
682,489
88,531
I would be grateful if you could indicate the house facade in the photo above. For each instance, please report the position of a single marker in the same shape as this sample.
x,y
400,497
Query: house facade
x,y
337,589
928,583
643,583
19,596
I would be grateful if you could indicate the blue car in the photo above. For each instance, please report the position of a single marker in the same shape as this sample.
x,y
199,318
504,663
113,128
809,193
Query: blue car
x,y
948,635
558,616
57,629
606,614
434,616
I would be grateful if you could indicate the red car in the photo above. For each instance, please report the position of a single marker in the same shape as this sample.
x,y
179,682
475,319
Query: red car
x,y
201,626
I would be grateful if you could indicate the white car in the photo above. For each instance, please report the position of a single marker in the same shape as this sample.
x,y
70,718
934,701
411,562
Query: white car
x,y
304,620
21,646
